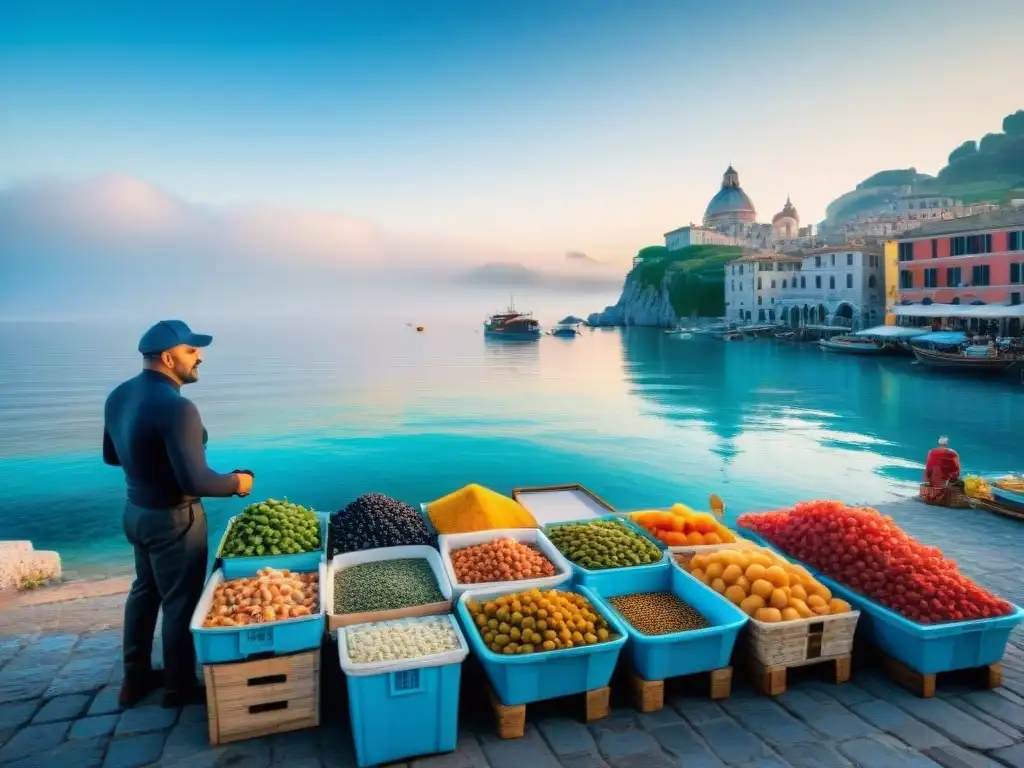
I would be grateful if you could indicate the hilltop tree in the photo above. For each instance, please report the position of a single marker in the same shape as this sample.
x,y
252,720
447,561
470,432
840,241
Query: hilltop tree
x,y
1013,125
967,149
992,143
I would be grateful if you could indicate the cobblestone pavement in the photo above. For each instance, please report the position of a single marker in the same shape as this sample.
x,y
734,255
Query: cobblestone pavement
x,y
58,691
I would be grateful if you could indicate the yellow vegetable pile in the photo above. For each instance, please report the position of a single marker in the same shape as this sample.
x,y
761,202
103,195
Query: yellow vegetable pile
x,y
475,508
977,488
681,526
764,585
270,595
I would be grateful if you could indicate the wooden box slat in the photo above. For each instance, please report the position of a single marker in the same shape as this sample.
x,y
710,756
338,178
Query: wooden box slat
x,y
255,698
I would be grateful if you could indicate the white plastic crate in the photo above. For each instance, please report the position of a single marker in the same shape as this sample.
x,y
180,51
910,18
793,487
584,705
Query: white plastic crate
x,y
531,536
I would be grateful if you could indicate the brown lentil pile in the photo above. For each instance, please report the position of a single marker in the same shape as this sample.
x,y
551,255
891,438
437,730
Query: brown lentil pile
x,y
658,613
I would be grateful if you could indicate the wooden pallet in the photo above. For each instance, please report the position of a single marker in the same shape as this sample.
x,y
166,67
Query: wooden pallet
x,y
511,720
990,676
245,700
649,695
771,680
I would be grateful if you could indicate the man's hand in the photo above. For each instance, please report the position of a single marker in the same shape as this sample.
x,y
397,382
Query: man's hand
x,y
244,483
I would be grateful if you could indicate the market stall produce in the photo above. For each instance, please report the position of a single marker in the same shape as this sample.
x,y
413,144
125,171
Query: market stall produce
x,y
682,526
658,613
385,585
977,487
867,552
268,596
676,627
401,640
533,621
765,586
271,611
580,658
517,558
499,560
272,527
603,544
403,687
375,520
475,508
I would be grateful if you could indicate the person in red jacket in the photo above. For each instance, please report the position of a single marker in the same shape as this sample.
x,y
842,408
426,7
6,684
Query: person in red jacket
x,y
942,467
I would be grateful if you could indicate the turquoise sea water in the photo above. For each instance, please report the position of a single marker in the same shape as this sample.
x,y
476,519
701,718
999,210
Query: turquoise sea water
x,y
325,410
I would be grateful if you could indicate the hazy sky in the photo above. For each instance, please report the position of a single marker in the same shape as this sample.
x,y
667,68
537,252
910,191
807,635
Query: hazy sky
x,y
531,127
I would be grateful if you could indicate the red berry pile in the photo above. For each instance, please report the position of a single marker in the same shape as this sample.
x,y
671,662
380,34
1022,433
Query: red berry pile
x,y
867,552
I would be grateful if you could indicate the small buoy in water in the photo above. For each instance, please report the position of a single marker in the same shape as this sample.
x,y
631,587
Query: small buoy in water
x,y
419,328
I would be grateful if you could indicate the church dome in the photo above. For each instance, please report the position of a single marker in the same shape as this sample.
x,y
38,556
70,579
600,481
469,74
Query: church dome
x,y
788,212
731,205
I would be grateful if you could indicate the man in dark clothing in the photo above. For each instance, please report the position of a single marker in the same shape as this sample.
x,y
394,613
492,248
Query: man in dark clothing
x,y
157,437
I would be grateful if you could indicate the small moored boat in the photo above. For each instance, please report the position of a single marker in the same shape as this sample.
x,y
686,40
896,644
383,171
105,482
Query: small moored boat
x,y
951,351
566,330
851,345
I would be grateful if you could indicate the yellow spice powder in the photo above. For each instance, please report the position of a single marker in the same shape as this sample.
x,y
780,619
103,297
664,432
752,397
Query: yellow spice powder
x,y
475,508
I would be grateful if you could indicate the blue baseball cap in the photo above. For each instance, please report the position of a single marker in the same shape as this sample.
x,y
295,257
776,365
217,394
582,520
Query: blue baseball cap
x,y
170,333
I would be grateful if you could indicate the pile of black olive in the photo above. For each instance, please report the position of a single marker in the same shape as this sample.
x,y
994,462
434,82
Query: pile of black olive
x,y
375,520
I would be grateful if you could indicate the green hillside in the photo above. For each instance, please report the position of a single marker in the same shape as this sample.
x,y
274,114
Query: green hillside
x,y
697,276
988,169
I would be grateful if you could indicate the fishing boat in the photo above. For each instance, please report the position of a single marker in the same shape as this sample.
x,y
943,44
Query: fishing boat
x,y
566,330
1008,492
785,335
970,359
732,336
851,345
512,324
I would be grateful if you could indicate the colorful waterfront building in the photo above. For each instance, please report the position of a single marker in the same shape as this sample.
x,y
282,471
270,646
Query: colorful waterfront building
x,y
835,287
971,260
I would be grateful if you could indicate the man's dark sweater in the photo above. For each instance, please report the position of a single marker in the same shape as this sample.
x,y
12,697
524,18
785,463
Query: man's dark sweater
x,y
157,436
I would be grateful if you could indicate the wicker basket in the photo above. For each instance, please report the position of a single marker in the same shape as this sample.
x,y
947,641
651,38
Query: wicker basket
x,y
946,496
788,643
801,641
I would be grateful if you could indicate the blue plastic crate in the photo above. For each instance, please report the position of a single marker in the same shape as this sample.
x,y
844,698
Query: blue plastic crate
x,y
240,567
930,648
927,648
215,645
399,711
614,578
548,674
658,657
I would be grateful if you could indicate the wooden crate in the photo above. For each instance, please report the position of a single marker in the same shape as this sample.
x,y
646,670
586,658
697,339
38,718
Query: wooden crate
x,y
773,648
772,680
249,699
511,720
989,676
802,641
649,695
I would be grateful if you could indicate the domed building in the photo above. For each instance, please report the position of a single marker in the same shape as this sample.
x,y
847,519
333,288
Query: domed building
x,y
786,223
730,209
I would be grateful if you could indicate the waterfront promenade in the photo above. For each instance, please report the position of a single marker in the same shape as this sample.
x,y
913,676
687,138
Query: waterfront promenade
x,y
60,670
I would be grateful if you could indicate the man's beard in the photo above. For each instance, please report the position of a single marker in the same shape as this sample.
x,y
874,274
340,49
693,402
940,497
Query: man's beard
x,y
191,375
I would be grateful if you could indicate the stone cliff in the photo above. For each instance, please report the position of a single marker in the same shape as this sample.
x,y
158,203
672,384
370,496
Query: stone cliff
x,y
639,304
665,286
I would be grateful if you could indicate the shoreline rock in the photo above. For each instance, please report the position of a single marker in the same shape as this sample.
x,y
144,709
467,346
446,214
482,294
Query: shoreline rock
x,y
643,305
22,566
